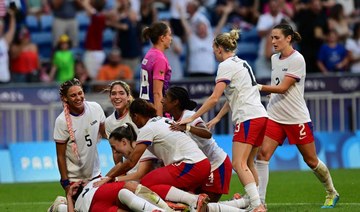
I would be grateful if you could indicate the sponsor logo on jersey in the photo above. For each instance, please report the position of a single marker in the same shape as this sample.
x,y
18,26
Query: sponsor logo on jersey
x,y
285,69
94,122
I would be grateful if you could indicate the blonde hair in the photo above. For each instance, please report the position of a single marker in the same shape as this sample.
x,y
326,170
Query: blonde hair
x,y
228,40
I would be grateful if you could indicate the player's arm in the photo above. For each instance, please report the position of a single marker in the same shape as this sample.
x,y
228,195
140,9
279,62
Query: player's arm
x,y
72,191
198,130
61,160
208,104
281,88
144,168
120,169
102,130
158,95
224,110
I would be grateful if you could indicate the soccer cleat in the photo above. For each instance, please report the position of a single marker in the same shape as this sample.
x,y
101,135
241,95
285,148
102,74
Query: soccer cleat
x,y
331,200
237,196
178,206
60,200
201,203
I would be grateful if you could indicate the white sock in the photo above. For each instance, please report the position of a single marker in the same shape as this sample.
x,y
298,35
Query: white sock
x,y
237,203
252,191
177,195
62,208
218,207
152,197
262,168
323,174
134,202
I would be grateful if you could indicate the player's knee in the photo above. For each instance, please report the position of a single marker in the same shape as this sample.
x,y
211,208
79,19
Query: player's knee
x,y
239,166
311,162
131,185
263,155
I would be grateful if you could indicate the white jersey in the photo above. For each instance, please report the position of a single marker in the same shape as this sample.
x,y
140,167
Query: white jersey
x,y
4,61
290,107
86,130
111,123
167,145
85,198
241,91
213,152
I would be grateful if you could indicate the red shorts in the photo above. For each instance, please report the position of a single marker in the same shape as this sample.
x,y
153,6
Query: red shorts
x,y
106,197
251,131
218,181
296,133
184,176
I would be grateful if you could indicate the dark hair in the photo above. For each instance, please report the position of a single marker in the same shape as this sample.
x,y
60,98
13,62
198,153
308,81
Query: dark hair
x,y
65,86
155,30
287,30
356,34
125,131
228,40
142,107
78,192
181,94
99,4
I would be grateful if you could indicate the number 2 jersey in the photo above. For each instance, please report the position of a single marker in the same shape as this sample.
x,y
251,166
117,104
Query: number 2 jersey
x,y
86,130
241,91
290,107
154,66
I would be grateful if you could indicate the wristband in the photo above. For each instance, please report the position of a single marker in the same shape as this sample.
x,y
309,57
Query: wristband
x,y
65,183
259,86
187,128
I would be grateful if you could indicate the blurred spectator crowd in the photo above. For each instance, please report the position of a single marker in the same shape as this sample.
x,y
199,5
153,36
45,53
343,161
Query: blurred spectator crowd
x,y
100,40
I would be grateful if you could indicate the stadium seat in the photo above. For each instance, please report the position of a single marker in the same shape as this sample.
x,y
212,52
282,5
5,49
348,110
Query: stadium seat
x,y
32,23
108,38
44,42
46,22
83,20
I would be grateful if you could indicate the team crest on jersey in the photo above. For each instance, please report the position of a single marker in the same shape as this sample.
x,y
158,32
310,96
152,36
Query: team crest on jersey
x,y
285,69
162,72
144,62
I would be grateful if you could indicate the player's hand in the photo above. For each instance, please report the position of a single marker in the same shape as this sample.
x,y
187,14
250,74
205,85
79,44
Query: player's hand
x,y
176,127
185,121
102,182
211,124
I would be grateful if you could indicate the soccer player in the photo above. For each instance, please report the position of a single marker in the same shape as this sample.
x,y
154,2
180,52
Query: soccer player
x,y
186,166
236,80
155,69
76,134
288,114
177,103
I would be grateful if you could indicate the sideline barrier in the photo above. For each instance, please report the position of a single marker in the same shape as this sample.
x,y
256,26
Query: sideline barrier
x,y
31,162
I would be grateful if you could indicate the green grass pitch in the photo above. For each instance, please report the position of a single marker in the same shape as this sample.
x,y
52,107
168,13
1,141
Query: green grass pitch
x,y
287,191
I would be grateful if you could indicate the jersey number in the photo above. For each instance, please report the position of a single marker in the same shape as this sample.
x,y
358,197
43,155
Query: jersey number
x,y
88,140
302,133
86,190
253,81
144,87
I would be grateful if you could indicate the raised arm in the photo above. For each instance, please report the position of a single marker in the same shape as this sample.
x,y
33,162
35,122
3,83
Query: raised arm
x,y
9,35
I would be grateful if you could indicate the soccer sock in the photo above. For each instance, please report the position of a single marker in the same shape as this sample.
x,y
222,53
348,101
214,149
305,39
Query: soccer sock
x,y
323,174
237,203
252,191
218,207
134,202
177,195
147,194
262,168
62,208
